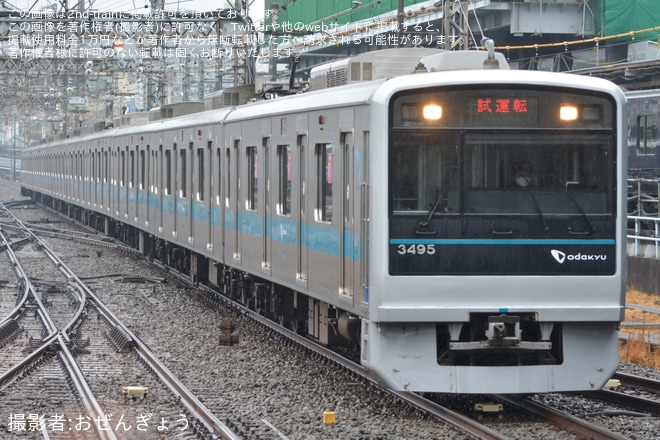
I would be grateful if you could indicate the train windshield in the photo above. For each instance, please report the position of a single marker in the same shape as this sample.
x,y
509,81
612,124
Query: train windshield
x,y
511,186
506,173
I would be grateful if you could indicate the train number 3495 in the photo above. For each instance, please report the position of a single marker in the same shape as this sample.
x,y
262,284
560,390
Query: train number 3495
x,y
416,249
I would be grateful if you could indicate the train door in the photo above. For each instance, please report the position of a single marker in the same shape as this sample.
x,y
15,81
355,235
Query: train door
x,y
115,181
362,166
175,190
126,162
217,230
132,188
237,202
227,219
97,177
206,186
168,206
301,260
265,205
107,177
187,177
346,247
79,175
154,190
140,177
161,186
147,174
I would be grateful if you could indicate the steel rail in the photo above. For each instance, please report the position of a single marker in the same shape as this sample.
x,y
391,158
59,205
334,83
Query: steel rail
x,y
563,420
57,338
187,398
65,271
638,403
21,275
638,381
84,391
452,418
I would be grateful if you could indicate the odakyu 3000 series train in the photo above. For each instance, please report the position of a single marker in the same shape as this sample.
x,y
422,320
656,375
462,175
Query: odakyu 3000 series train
x,y
643,136
465,227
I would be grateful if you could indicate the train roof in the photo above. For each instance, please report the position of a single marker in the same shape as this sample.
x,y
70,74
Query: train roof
x,y
348,95
435,68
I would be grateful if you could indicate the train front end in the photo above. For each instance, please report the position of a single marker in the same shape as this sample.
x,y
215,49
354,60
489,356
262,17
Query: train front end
x,y
497,245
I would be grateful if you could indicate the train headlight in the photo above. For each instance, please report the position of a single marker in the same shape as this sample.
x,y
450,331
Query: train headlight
x,y
568,113
432,112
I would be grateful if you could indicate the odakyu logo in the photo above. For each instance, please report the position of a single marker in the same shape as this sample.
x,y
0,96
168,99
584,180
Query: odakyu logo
x,y
562,256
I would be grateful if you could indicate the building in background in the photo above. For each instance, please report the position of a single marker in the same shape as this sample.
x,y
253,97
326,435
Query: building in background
x,y
602,37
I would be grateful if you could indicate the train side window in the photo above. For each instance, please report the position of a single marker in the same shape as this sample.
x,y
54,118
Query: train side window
x,y
216,179
155,176
323,182
647,134
200,174
122,176
106,169
168,173
92,166
98,165
284,186
228,177
143,168
252,178
131,181
302,171
184,177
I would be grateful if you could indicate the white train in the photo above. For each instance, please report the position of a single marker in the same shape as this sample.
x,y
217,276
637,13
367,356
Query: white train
x,y
465,227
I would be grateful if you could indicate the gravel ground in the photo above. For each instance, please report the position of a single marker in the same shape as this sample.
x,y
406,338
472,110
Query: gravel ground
x,y
261,382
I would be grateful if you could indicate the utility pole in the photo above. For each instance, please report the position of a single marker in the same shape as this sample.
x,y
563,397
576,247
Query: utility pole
x,y
399,22
272,59
455,23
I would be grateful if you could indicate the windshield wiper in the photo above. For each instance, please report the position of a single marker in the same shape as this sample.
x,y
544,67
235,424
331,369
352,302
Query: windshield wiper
x,y
581,211
439,195
532,193
538,208
570,195
434,208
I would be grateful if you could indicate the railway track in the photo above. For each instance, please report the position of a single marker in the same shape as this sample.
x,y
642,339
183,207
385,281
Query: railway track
x,y
147,299
70,301
636,393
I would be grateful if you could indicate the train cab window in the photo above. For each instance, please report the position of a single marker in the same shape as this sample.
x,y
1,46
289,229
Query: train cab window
x,y
323,182
536,174
284,186
423,173
252,178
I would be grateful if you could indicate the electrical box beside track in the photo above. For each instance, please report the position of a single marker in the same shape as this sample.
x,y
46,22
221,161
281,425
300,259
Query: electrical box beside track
x,y
135,391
